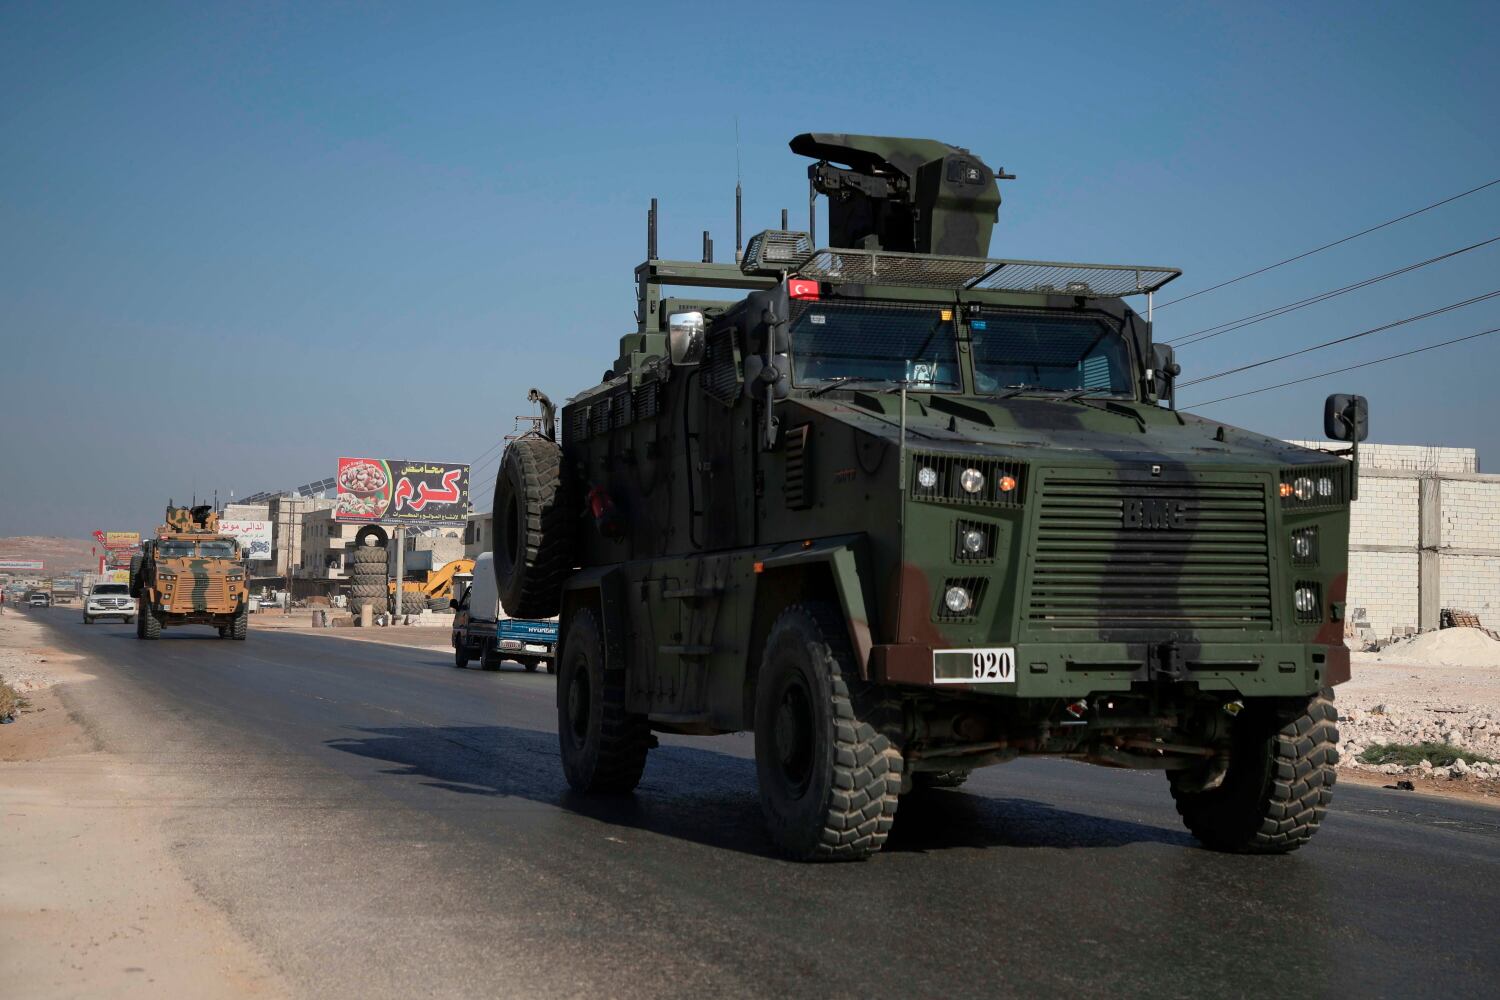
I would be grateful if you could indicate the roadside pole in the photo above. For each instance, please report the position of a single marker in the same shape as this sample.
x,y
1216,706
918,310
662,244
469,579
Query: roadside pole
x,y
398,603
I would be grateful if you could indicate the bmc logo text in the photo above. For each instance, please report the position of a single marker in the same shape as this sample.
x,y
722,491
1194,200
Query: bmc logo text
x,y
1155,515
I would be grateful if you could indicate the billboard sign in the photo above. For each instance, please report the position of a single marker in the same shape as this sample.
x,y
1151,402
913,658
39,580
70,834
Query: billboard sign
x,y
396,491
20,564
121,539
254,537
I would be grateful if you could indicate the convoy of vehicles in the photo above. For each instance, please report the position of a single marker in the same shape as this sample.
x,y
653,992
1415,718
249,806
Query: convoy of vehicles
x,y
109,600
481,630
190,574
905,510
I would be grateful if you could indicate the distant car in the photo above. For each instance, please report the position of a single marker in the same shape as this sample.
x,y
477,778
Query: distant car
x,y
109,600
39,601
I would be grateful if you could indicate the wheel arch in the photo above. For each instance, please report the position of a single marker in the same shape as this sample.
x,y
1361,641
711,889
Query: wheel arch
x,y
833,568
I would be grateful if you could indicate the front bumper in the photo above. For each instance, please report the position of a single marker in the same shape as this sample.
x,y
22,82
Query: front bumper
x,y
1061,670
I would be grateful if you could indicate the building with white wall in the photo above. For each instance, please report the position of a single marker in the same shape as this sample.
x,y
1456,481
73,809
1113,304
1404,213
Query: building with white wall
x,y
1424,536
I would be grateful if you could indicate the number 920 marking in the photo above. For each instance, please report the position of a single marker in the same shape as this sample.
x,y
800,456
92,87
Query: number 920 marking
x,y
993,665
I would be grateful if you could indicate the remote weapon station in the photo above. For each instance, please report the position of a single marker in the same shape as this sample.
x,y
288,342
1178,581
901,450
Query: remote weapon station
x,y
905,510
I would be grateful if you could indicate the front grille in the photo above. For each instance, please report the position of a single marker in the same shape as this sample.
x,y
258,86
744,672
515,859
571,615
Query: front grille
x,y
200,594
1150,554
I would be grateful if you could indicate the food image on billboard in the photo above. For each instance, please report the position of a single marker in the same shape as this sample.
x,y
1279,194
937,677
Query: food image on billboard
x,y
397,490
254,537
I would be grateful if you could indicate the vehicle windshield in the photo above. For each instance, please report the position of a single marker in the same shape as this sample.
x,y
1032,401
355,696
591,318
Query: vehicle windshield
x,y
174,550
217,550
108,589
1066,353
836,342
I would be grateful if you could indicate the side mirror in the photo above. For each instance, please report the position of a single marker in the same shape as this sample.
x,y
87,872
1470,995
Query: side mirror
x,y
685,338
1346,418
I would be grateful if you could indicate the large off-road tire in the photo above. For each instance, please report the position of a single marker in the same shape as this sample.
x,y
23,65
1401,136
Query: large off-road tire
x,y
1278,786
150,621
603,745
367,590
240,626
535,521
829,776
368,555
140,622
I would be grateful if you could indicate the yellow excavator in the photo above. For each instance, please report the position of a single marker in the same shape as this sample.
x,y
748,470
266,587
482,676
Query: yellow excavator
x,y
436,590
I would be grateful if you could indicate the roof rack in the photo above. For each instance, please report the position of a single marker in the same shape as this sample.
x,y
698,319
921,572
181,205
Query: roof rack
x,y
878,267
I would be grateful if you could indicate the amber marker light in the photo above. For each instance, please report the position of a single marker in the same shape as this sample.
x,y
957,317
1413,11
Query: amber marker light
x,y
1286,489
1007,483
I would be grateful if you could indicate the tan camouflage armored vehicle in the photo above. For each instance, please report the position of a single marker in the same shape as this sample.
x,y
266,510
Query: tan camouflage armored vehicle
x,y
189,574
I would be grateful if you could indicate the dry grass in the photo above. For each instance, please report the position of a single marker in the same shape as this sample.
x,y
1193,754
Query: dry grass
x,y
11,701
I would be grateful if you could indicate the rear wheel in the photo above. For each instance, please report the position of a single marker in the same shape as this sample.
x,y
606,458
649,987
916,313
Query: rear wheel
x,y
939,779
489,660
829,778
460,655
603,744
1278,786
530,666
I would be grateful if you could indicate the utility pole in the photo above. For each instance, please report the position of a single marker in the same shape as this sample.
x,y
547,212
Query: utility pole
x,y
398,605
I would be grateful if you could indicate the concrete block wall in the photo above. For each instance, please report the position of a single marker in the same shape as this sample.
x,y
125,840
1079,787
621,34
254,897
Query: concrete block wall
x,y
1409,457
1471,514
1472,583
1387,512
1387,586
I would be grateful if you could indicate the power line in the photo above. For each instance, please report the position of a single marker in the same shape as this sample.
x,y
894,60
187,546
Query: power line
x,y
1210,332
1327,246
1338,371
1344,340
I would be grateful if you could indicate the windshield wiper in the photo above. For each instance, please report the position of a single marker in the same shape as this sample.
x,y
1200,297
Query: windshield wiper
x,y
1080,393
890,384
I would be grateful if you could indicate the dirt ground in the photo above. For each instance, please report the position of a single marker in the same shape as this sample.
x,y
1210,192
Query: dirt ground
x,y
1388,701
91,902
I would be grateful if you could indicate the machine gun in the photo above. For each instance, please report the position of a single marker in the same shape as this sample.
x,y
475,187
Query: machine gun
x,y
902,195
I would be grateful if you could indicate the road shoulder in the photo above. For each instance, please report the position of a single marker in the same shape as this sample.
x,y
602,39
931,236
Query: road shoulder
x,y
92,903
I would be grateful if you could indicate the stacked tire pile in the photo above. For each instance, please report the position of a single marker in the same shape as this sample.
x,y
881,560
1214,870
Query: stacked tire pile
x,y
414,602
367,578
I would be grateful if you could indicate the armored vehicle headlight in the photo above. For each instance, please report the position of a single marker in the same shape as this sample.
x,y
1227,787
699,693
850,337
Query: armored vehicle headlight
x,y
958,600
926,477
1303,542
973,541
972,480
1303,487
1325,486
1305,599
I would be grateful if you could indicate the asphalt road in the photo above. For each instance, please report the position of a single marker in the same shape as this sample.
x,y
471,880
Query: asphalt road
x,y
379,823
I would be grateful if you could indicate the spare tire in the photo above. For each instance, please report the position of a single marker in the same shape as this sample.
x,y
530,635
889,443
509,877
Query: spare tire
x,y
535,517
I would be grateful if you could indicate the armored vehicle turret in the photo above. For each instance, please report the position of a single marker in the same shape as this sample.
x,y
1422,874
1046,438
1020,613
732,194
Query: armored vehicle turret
x,y
905,510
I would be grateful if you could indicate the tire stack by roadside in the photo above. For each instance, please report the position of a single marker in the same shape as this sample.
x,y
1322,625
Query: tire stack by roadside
x,y
414,603
367,578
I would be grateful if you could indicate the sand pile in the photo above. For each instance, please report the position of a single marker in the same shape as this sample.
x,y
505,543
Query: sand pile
x,y
1451,647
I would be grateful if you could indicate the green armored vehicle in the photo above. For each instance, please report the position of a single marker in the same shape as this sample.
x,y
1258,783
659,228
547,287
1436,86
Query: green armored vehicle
x,y
905,511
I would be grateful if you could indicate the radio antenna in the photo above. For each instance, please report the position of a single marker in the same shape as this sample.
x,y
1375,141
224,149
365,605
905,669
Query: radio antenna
x,y
739,202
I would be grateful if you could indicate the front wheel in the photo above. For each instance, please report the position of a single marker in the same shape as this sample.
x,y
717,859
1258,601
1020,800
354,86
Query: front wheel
x,y
129,619
240,626
150,622
1278,785
603,744
460,655
87,620
829,778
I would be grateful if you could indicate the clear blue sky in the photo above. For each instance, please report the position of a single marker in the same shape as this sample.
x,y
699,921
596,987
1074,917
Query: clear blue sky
x,y
239,240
